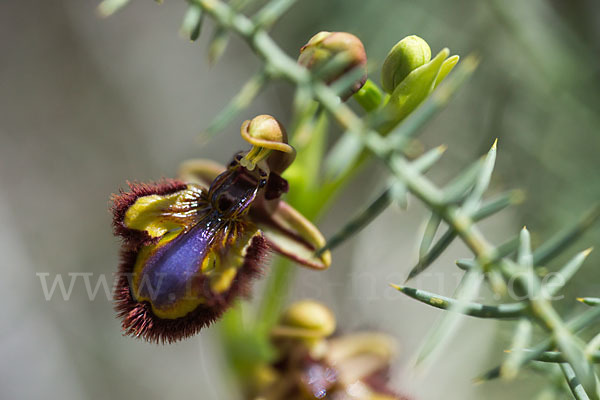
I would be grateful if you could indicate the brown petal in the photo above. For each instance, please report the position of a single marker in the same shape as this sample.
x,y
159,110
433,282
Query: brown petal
x,y
289,233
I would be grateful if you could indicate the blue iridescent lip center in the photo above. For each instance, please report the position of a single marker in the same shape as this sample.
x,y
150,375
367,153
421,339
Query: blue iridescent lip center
x,y
174,270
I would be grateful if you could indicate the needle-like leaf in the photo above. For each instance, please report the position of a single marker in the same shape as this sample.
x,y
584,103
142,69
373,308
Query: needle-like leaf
x,y
192,22
558,280
429,234
525,257
590,301
483,181
502,311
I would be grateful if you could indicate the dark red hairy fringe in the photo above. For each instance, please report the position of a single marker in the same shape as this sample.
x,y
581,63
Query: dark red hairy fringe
x,y
123,200
138,319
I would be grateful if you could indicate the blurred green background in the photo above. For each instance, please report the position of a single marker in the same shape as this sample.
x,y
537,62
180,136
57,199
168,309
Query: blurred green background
x,y
86,104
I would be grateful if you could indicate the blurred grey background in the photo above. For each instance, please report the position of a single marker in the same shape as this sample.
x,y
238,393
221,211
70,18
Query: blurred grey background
x,y
86,104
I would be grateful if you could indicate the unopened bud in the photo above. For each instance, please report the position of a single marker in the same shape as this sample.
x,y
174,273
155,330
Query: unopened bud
x,y
306,319
408,54
324,46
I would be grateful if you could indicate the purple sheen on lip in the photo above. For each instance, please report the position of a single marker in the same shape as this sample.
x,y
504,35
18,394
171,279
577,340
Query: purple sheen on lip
x,y
174,268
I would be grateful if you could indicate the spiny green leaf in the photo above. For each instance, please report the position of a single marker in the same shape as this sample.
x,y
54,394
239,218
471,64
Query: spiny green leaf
x,y
559,279
466,264
483,180
524,257
498,203
428,235
502,311
590,301
428,160
192,22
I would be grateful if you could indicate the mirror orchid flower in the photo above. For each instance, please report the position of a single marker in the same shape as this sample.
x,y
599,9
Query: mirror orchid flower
x,y
192,245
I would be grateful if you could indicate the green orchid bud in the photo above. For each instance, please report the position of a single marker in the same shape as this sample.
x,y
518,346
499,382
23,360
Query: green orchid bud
x,y
407,55
414,88
324,46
